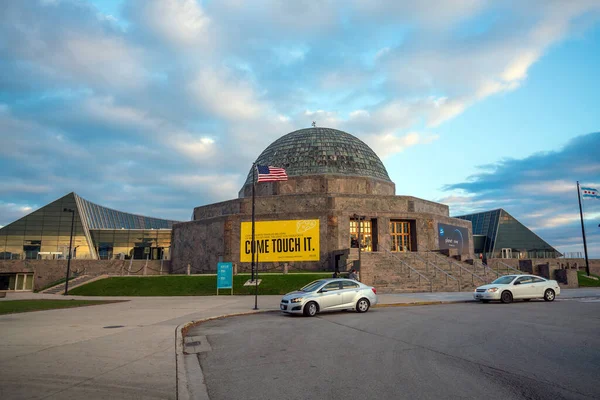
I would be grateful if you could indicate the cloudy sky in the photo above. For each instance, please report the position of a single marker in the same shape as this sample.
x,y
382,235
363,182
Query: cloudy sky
x,y
157,106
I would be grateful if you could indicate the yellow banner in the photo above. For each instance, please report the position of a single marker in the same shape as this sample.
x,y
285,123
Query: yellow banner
x,y
292,240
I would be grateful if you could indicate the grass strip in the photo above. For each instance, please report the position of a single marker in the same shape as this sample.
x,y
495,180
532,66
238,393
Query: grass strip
x,y
585,281
194,285
20,306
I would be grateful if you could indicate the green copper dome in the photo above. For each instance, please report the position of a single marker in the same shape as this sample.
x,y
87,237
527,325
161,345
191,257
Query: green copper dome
x,y
317,151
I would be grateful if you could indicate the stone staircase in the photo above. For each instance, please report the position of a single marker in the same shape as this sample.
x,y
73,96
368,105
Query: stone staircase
x,y
73,283
424,272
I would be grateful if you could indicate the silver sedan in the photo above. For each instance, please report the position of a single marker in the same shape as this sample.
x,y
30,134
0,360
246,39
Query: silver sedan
x,y
518,287
328,295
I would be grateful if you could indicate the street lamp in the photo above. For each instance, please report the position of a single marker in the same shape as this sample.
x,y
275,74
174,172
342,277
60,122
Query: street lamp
x,y
70,246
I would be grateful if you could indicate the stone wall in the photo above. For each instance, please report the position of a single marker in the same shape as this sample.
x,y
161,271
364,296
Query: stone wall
x,y
321,184
48,271
214,235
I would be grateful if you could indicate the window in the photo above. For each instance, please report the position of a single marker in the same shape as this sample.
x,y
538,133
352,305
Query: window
x,y
524,279
538,280
400,236
349,285
331,286
366,234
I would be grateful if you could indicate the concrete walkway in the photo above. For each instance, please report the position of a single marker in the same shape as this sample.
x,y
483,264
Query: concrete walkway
x,y
124,350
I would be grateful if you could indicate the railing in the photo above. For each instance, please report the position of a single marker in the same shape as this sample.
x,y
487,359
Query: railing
x,y
576,254
485,266
460,267
436,268
411,269
509,267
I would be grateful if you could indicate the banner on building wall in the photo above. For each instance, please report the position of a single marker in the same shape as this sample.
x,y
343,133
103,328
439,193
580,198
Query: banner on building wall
x,y
289,240
453,237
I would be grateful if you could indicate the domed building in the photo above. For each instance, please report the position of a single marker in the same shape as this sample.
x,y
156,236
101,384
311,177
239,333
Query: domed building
x,y
337,194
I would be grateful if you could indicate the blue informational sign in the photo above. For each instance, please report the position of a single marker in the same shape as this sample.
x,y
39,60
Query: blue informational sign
x,y
224,275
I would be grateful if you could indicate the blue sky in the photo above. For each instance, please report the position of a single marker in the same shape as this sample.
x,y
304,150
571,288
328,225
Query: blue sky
x,y
154,107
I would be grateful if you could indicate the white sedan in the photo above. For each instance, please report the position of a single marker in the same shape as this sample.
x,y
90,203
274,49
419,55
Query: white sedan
x,y
518,287
328,295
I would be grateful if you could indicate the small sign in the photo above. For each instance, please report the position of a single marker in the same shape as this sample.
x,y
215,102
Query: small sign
x,y
224,276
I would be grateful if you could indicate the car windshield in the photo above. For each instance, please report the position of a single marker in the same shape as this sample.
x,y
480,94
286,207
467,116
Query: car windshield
x,y
311,287
504,280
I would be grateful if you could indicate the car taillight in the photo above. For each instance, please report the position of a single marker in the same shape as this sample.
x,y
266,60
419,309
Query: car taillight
x,y
374,290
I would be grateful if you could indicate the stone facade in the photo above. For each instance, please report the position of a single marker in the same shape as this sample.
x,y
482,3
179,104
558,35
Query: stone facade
x,y
214,235
48,271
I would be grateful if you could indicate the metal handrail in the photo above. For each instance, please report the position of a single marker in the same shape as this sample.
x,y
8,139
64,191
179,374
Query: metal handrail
x,y
411,269
487,266
473,274
508,266
438,268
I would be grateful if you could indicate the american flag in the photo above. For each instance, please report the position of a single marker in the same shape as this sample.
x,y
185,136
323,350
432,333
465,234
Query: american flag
x,y
270,174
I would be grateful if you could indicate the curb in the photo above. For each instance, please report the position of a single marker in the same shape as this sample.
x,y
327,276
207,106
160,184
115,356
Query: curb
x,y
186,390
423,303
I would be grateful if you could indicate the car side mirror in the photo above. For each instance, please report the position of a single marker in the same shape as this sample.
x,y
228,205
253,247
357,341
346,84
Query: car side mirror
x,y
517,283
322,291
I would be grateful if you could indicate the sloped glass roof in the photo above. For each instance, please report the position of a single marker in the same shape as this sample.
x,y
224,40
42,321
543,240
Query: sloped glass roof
x,y
100,217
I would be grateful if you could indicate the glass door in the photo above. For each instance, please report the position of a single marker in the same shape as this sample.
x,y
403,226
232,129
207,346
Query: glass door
x,y
21,282
400,236
366,235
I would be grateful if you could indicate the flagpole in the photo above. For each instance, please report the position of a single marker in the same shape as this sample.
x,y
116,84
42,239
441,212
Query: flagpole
x,y
253,244
587,265
256,285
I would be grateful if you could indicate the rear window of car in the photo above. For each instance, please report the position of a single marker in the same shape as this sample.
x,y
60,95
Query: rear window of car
x,y
538,280
349,285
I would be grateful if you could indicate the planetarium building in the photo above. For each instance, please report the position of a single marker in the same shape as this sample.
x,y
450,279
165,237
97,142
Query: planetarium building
x,y
338,194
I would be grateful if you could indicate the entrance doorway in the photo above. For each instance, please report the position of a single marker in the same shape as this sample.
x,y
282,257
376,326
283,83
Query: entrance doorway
x,y
17,282
400,236
366,234
506,253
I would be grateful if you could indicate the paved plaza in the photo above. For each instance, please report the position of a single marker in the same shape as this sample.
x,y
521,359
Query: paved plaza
x,y
127,350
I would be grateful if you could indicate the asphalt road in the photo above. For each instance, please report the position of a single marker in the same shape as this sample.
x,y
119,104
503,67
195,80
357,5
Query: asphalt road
x,y
532,350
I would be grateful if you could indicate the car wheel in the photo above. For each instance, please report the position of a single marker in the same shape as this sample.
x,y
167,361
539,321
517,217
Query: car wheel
x,y
506,297
526,299
549,295
311,309
485,301
363,305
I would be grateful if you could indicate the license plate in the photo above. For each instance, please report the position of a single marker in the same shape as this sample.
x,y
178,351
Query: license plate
x,y
282,306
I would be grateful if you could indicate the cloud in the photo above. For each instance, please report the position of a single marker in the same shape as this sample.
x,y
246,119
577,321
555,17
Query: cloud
x,y
539,190
180,22
12,212
182,89
225,96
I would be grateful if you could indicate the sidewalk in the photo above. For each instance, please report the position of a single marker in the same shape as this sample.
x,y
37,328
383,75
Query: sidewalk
x,y
124,350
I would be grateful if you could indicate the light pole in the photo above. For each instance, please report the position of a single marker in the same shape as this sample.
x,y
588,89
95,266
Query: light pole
x,y
70,246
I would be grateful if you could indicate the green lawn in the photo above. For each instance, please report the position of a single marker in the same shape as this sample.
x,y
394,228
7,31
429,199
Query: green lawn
x,y
584,281
19,306
194,285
